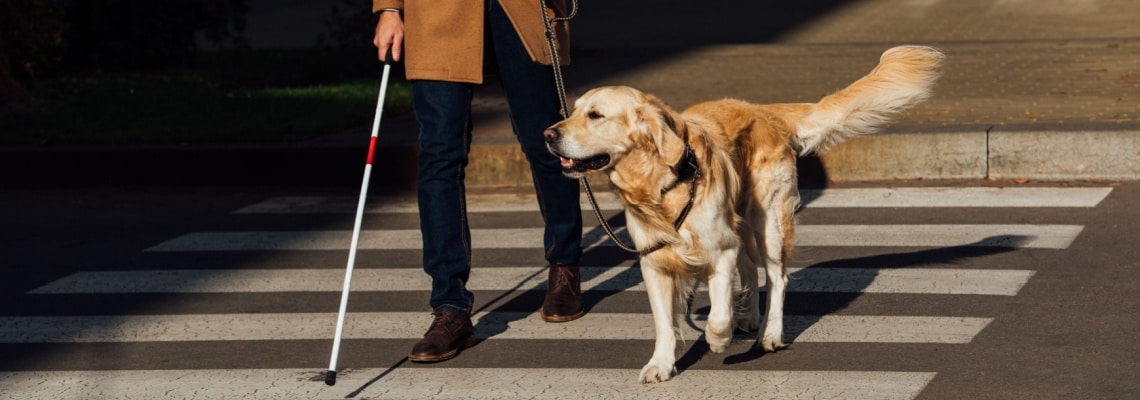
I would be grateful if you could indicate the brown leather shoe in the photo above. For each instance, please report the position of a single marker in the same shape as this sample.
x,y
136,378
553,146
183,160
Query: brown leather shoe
x,y
563,294
449,333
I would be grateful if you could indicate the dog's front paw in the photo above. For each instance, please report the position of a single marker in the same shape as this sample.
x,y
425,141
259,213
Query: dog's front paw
x,y
771,344
719,346
718,341
655,372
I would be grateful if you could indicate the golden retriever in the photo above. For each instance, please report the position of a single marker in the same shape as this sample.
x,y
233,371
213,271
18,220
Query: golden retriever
x,y
731,167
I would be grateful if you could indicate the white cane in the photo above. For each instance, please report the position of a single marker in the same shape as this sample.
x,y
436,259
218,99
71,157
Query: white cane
x,y
330,377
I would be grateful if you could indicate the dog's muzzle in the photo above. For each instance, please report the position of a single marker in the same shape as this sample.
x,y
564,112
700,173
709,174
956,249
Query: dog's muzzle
x,y
585,165
573,165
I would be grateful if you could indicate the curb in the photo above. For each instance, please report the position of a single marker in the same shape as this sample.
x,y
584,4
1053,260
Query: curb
x,y
997,153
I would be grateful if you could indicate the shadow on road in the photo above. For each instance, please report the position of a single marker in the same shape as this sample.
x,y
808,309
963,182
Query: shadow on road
x,y
837,302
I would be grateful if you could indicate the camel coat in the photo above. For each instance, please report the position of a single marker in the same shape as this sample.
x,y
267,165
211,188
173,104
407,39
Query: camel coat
x,y
443,39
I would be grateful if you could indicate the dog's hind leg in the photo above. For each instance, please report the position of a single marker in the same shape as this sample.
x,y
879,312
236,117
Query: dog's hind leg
x,y
778,238
660,288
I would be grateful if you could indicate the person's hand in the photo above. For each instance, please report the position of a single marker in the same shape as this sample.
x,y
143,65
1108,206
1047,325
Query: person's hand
x,y
389,35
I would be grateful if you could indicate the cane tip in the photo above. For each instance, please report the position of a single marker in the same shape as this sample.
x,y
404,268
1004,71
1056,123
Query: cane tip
x,y
330,378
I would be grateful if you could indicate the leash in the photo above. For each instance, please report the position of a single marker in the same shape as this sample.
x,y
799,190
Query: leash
x,y
565,111
550,40
686,168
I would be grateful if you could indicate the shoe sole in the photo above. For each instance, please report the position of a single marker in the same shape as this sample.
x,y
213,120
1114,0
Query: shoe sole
x,y
562,318
445,356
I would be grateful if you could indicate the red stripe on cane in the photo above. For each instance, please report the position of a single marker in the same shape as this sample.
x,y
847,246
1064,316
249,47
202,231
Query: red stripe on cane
x,y
371,150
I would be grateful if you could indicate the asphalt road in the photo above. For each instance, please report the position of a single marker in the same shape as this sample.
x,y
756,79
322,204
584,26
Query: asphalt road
x,y
962,291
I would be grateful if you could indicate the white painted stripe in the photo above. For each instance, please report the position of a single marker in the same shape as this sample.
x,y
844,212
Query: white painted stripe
x,y
955,197
1023,236
1014,236
459,383
620,278
497,325
827,198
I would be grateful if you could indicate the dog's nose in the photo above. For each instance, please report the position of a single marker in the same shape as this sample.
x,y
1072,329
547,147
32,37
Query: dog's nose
x,y
551,135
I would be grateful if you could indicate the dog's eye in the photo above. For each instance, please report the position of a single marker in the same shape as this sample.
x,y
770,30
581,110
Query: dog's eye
x,y
594,115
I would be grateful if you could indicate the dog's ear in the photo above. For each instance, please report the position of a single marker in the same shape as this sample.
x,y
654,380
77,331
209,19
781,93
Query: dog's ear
x,y
660,123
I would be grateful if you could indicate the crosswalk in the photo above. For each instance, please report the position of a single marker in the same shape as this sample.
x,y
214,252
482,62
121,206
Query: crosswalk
x,y
497,325
466,383
1005,282
610,324
1031,236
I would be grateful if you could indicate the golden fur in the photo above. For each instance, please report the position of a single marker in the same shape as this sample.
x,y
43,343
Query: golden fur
x,y
746,196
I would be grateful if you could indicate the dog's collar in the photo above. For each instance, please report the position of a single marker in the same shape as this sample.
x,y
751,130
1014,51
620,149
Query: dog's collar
x,y
685,169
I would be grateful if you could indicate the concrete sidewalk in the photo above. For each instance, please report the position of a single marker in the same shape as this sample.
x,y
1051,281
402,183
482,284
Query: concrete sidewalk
x,y
1033,89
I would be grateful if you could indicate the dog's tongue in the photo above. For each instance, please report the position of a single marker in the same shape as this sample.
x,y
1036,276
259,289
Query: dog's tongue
x,y
566,162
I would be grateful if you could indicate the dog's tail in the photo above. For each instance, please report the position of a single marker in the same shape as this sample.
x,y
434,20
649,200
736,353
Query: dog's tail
x,y
903,78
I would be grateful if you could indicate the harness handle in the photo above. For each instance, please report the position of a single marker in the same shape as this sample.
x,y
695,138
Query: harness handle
x,y
550,40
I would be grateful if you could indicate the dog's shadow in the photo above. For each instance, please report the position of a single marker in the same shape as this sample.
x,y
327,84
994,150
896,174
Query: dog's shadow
x,y
838,301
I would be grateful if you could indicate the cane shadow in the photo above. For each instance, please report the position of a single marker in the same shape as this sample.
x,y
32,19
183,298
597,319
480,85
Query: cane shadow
x,y
989,246
359,390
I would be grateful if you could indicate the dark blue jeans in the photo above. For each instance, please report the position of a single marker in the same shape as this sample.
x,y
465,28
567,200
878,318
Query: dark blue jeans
x,y
443,110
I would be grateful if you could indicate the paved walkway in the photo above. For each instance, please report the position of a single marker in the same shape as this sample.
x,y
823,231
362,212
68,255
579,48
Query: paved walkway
x,y
1036,89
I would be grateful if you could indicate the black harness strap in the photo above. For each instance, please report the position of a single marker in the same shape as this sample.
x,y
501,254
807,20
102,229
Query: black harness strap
x,y
685,169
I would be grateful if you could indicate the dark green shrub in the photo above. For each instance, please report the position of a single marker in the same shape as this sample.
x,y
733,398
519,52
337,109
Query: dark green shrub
x,y
134,33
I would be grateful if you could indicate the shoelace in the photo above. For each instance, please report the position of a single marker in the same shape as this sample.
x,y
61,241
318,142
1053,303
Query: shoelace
x,y
562,278
441,320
